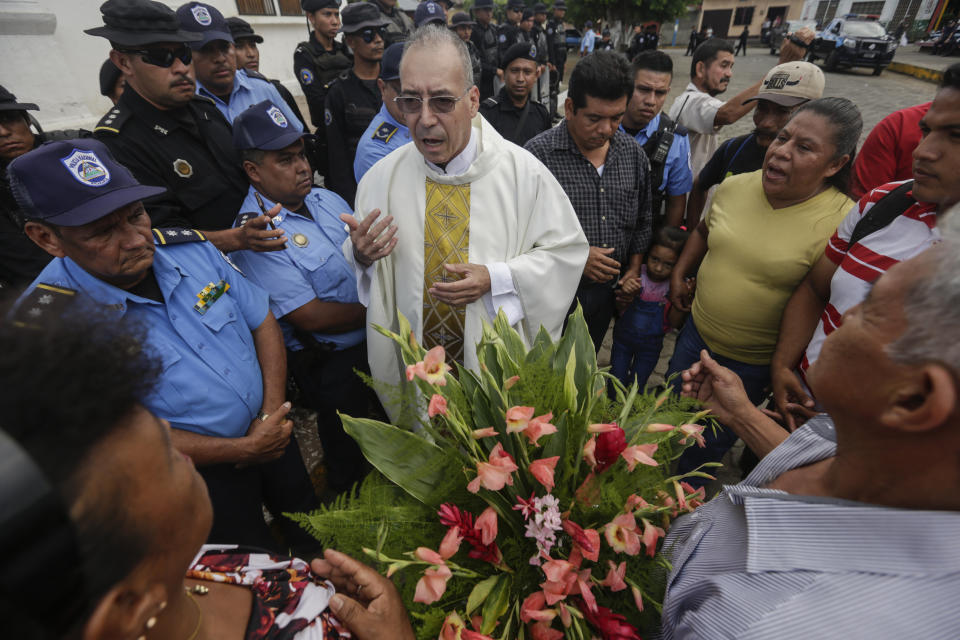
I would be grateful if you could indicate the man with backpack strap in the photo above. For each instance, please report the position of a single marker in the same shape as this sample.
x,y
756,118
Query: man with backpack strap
x,y
890,224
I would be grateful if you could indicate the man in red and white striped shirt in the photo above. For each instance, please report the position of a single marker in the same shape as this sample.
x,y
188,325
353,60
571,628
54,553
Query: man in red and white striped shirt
x,y
843,275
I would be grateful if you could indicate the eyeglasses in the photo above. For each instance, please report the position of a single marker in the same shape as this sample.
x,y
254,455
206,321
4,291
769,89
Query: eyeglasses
x,y
163,57
370,33
437,104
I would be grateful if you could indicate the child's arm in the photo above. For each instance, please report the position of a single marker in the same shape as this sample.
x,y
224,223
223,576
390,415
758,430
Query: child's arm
x,y
674,316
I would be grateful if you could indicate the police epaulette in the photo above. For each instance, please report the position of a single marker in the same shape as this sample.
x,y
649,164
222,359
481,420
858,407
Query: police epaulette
x,y
385,131
44,301
166,237
256,74
244,217
490,102
113,120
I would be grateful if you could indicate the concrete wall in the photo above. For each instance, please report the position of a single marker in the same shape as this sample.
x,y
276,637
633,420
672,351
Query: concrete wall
x,y
48,59
795,8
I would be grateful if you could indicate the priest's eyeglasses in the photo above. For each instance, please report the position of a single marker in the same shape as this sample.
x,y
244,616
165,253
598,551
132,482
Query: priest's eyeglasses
x,y
437,104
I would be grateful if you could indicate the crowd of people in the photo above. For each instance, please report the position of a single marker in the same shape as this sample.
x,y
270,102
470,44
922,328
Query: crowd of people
x,y
177,278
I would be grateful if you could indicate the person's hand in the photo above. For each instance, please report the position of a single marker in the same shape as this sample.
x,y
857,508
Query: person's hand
x,y
552,66
473,284
257,234
373,609
267,439
600,266
500,73
789,52
371,241
719,388
680,296
793,404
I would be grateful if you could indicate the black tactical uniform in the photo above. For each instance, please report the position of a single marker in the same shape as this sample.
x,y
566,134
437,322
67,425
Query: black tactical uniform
x,y
515,124
188,150
351,105
315,68
485,40
557,38
507,36
400,24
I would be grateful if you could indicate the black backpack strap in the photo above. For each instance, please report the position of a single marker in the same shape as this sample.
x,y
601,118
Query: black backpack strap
x,y
883,212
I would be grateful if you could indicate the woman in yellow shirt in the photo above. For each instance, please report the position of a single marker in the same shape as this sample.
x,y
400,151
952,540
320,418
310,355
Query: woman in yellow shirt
x,y
762,234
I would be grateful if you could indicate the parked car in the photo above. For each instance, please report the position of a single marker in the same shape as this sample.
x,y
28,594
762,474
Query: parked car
x,y
573,39
778,33
854,41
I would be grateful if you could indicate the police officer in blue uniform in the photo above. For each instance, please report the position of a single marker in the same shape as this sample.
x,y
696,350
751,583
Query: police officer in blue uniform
x,y
169,136
215,64
222,385
485,39
386,131
313,289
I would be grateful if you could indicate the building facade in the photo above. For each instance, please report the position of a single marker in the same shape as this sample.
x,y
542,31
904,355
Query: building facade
x,y
727,18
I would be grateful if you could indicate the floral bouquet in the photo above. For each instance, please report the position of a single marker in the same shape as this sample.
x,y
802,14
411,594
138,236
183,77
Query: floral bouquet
x,y
520,500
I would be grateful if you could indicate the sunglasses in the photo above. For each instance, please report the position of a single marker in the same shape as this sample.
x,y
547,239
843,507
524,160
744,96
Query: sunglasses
x,y
369,34
437,104
163,57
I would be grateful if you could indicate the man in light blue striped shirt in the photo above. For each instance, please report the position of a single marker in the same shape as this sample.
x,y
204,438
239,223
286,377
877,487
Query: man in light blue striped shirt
x,y
851,527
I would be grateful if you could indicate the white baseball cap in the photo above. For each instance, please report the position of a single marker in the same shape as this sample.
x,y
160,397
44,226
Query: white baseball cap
x,y
791,83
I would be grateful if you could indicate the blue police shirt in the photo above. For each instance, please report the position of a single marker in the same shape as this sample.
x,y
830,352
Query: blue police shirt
x,y
383,135
247,92
297,274
588,42
677,175
211,382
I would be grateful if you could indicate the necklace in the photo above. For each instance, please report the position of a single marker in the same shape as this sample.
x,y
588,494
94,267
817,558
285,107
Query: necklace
x,y
196,604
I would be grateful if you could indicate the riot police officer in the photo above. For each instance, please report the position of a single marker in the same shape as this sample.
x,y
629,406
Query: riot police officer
x,y
354,97
513,112
484,38
557,37
317,62
463,26
399,25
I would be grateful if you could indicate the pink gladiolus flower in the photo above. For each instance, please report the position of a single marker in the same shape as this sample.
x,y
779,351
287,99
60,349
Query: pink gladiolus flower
x,y
455,629
642,453
428,555
432,585
657,427
681,497
694,431
533,608
509,382
517,418
438,406
542,470
586,541
565,616
589,452
413,370
450,543
614,580
489,432
635,501
602,428
561,579
539,426
621,534
493,475
637,598
487,524
583,583
695,497
651,534
433,368
543,631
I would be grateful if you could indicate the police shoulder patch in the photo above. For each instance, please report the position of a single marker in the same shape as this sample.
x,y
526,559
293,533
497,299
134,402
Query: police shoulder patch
x,y
45,301
305,75
243,218
385,131
327,117
174,235
256,75
503,37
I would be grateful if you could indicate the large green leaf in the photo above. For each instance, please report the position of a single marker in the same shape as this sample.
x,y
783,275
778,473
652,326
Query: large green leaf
x,y
496,603
419,467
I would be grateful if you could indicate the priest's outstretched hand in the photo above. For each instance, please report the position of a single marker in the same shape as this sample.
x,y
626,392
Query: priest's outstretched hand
x,y
371,241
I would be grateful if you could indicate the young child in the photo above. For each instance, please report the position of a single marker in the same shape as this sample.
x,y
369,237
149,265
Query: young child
x,y
638,332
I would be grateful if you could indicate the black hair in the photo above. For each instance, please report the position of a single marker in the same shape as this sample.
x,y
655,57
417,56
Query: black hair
x,y
66,387
707,53
652,60
951,77
847,126
602,74
672,238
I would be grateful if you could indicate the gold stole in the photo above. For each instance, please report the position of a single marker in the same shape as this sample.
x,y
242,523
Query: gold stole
x,y
446,240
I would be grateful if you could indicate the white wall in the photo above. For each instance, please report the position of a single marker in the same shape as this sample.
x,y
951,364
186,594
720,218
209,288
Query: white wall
x,y
59,71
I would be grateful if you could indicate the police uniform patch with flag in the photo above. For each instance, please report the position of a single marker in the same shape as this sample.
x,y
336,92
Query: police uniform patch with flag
x,y
306,76
86,168
45,301
277,116
385,131
201,15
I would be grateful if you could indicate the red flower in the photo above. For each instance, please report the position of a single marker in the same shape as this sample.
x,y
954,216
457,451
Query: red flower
x,y
610,445
451,516
587,541
610,625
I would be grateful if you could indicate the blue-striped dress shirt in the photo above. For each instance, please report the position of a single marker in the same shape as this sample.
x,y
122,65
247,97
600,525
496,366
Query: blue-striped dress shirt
x,y
761,563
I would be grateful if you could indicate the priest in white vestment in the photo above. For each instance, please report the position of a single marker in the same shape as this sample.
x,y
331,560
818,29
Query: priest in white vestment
x,y
468,222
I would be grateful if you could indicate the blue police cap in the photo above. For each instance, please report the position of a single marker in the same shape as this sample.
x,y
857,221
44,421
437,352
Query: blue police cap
x,y
429,12
390,64
72,182
204,20
263,126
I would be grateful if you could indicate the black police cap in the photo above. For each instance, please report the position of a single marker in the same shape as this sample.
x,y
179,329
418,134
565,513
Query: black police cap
x,y
461,19
316,5
240,28
133,23
539,8
8,102
483,4
360,15
523,50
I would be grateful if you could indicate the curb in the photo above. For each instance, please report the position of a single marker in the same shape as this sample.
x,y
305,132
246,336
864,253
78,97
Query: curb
x,y
923,73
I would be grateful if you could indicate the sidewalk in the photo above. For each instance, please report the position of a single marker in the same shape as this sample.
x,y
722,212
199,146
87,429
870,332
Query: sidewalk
x,y
911,61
